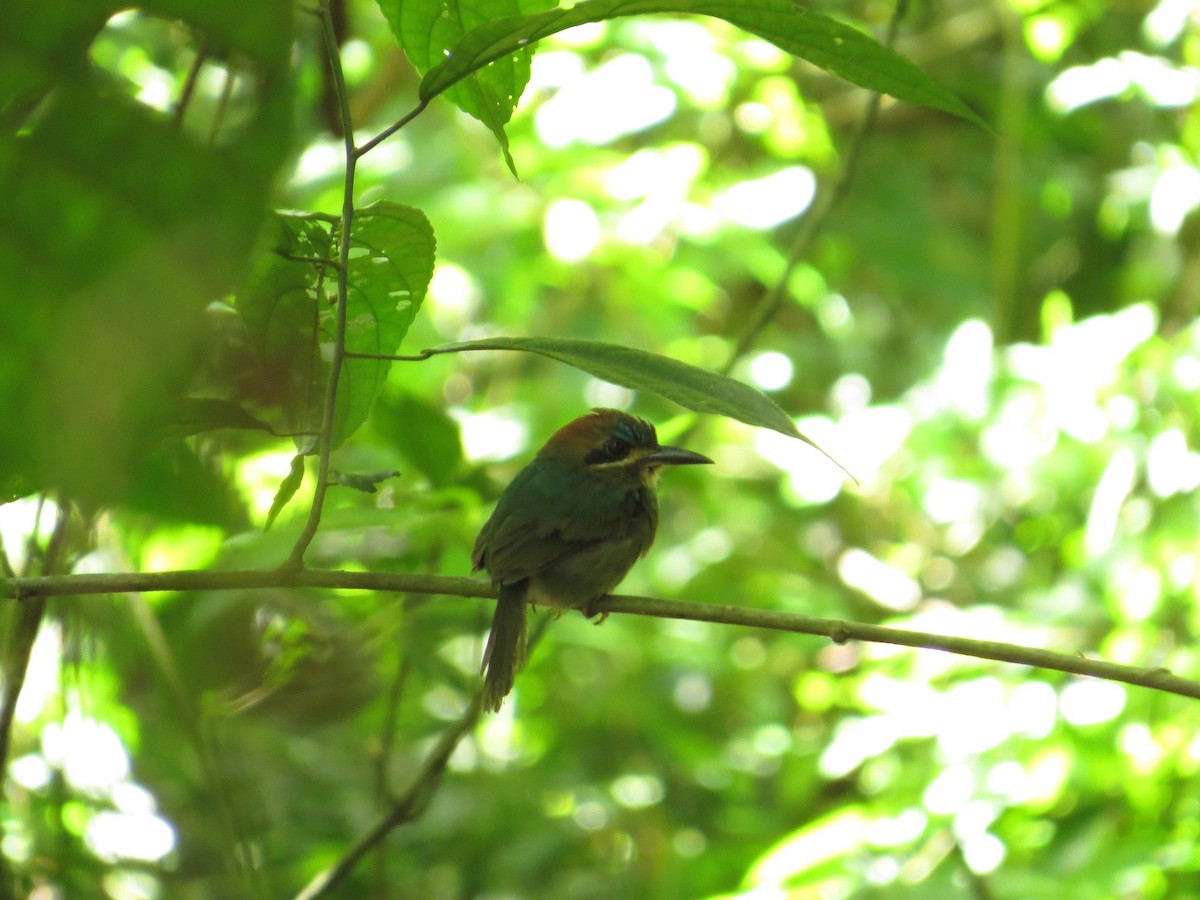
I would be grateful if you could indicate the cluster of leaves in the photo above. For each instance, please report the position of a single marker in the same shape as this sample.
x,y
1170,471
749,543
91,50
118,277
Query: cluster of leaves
x,y
168,374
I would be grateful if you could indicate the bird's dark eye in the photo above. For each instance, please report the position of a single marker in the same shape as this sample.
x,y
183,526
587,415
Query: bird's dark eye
x,y
612,450
615,448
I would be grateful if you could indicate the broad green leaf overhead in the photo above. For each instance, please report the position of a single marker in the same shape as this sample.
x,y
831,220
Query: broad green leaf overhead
x,y
690,386
196,415
825,42
429,29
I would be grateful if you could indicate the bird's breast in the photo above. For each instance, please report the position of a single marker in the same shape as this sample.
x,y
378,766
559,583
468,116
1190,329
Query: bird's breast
x,y
588,572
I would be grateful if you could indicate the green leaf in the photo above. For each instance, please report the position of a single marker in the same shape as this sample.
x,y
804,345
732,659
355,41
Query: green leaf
x,y
14,485
391,263
689,386
175,483
825,42
289,308
36,39
422,432
428,29
281,303
287,490
118,229
194,415
367,482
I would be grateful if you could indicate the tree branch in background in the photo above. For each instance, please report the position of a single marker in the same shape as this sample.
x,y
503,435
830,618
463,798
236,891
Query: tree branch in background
x,y
416,799
838,630
23,630
408,807
189,86
229,812
770,302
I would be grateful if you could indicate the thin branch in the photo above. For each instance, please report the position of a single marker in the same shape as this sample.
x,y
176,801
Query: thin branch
x,y
228,813
413,803
189,86
312,260
392,129
408,807
241,579
222,103
325,439
978,885
309,216
27,621
837,630
769,304
840,631
395,357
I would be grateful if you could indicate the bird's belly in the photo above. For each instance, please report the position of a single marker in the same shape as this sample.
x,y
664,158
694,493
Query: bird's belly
x,y
581,577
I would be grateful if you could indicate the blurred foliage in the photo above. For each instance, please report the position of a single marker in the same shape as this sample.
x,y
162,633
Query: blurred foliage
x,y
994,331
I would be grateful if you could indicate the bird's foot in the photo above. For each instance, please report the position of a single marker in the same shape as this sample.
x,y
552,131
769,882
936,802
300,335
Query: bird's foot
x,y
591,609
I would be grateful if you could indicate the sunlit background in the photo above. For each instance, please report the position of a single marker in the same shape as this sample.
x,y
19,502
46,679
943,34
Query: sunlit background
x,y
993,334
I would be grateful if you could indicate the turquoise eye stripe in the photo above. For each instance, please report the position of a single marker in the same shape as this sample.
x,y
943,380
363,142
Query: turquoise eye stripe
x,y
635,432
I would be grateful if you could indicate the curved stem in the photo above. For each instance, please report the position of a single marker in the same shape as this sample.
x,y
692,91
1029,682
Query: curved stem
x,y
392,129
346,222
407,808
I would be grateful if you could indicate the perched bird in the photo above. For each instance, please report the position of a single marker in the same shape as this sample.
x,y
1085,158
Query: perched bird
x,y
569,527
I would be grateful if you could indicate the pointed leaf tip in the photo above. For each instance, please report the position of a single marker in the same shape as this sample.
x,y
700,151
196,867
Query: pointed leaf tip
x,y
689,386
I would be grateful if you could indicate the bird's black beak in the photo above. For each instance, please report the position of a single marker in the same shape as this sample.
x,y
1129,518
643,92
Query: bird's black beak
x,y
673,456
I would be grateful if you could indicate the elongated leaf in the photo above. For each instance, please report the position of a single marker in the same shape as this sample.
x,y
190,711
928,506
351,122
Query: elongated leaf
x,y
429,29
825,42
287,490
689,386
391,263
422,432
194,415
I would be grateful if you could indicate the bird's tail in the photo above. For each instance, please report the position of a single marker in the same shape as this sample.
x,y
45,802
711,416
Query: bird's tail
x,y
505,651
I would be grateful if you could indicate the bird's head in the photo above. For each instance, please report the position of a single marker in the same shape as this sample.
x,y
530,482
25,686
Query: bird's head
x,y
611,443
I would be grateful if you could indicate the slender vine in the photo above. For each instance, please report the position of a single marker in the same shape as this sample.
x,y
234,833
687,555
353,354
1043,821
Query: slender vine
x,y
837,630
338,356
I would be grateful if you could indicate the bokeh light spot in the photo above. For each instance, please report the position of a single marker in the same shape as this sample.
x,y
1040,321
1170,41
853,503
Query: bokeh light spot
x,y
571,230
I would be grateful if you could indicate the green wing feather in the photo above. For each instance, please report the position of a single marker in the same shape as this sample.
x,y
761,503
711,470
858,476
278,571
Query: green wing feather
x,y
549,513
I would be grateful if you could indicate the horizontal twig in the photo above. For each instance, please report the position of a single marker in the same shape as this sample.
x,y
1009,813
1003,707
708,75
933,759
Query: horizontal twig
x,y
237,579
837,630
